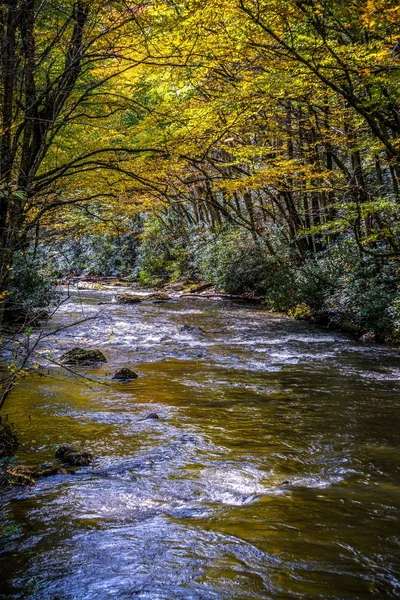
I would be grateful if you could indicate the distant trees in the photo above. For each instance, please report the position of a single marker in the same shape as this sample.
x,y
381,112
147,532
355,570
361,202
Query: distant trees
x,y
57,64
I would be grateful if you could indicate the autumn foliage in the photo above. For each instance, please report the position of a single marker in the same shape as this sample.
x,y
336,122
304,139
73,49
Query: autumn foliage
x,y
278,120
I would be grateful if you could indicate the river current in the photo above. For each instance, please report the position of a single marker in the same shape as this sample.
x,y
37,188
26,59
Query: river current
x,y
273,471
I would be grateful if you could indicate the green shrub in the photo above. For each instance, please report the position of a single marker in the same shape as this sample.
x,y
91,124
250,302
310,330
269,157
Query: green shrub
x,y
300,311
365,298
237,263
341,288
163,254
351,291
29,290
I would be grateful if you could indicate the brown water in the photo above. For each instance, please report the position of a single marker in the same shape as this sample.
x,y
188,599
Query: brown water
x,y
273,471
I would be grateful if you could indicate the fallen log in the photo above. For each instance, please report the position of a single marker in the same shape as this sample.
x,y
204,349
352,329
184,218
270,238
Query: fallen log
x,y
253,299
201,288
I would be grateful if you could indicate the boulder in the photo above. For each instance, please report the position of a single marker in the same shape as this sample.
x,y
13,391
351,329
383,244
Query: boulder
x,y
69,455
125,374
81,356
16,313
128,299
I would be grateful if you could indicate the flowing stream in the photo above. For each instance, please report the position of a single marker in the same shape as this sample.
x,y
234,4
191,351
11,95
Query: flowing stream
x,y
272,472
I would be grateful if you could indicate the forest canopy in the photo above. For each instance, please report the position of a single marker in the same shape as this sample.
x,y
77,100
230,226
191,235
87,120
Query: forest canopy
x,y
251,143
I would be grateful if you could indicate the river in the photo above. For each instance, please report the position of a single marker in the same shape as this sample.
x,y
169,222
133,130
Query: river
x,y
273,471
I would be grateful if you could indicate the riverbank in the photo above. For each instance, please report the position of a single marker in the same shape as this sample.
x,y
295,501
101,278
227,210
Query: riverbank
x,y
8,447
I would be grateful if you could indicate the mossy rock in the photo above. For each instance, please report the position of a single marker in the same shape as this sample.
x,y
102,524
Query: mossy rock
x,y
68,455
125,375
158,297
81,356
129,299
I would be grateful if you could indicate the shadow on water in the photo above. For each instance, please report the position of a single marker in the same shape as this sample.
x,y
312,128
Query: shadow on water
x,y
272,472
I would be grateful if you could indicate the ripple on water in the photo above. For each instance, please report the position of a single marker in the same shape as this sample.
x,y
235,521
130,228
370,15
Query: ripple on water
x,y
273,474
228,484
155,558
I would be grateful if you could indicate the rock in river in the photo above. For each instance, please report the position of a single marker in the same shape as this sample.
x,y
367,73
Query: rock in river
x,y
158,297
151,416
80,356
192,329
70,456
125,374
128,299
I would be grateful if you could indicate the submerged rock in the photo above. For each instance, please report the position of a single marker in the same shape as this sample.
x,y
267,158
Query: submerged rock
x,y
192,329
128,299
80,356
153,416
51,468
125,374
70,456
